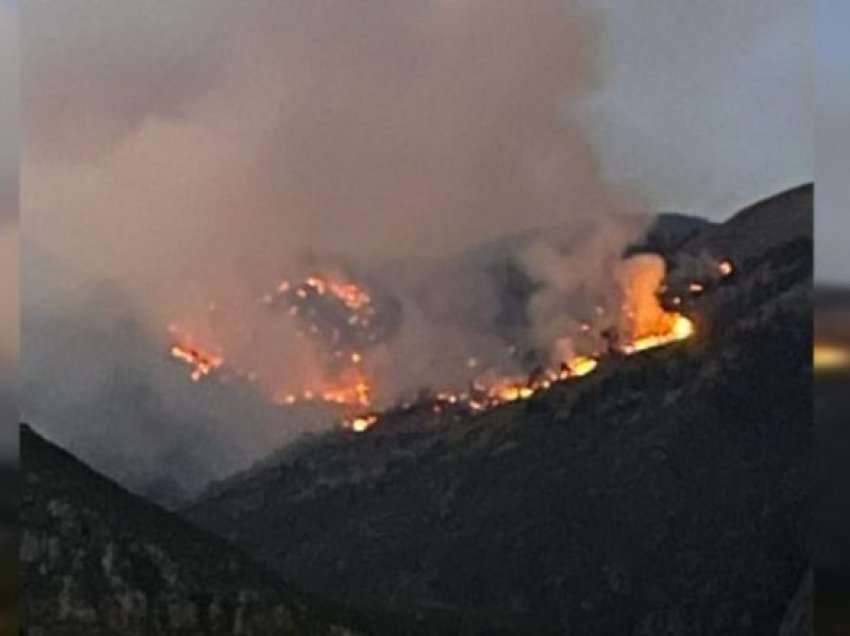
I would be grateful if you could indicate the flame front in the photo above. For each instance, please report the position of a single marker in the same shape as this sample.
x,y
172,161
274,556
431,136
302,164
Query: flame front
x,y
645,325
676,328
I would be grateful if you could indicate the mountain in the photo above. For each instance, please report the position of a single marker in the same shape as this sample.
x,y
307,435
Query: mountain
x,y
97,560
667,493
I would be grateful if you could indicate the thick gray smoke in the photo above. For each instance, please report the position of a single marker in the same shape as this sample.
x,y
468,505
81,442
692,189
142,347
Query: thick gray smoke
x,y
183,154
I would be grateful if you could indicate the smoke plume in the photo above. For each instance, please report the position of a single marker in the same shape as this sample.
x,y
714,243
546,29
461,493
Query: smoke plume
x,y
182,158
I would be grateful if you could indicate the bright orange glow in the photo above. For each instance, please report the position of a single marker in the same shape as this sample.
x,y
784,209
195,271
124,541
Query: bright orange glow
x,y
696,288
202,363
726,268
676,328
357,393
642,324
353,296
582,365
350,294
360,423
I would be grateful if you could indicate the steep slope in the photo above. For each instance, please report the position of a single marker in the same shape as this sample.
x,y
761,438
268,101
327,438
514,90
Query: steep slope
x,y
664,494
97,560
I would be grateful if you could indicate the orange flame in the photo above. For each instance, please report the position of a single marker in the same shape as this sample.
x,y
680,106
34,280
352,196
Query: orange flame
x,y
676,328
360,423
202,363
645,324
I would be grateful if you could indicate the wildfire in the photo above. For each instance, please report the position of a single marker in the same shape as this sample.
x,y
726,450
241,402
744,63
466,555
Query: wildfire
x,y
353,296
356,394
360,423
582,365
644,325
202,363
830,357
676,328
486,395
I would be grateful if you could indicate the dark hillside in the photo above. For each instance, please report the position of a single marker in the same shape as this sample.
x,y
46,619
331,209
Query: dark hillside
x,y
665,494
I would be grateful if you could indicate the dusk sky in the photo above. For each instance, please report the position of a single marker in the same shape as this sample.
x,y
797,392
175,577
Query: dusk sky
x,y
832,137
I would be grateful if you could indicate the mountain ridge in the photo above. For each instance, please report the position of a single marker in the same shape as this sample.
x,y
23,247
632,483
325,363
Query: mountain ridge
x,y
697,453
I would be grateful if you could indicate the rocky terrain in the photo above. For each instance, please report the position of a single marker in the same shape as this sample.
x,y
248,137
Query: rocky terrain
x,y
667,493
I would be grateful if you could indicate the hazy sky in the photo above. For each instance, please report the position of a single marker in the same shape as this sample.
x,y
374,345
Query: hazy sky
x,y
706,103
832,133
702,106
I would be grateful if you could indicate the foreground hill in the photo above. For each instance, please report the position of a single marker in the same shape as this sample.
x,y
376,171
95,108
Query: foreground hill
x,y
97,560
664,494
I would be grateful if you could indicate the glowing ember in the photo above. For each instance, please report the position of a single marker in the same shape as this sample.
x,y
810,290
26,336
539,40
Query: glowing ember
x,y
726,268
360,423
582,365
696,288
829,357
350,294
353,296
358,393
513,392
202,363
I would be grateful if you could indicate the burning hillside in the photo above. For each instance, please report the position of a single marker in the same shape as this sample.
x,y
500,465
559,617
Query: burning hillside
x,y
345,323
667,490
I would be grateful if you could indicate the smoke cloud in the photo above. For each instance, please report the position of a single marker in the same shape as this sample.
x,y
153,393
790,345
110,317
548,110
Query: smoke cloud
x,y
179,155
